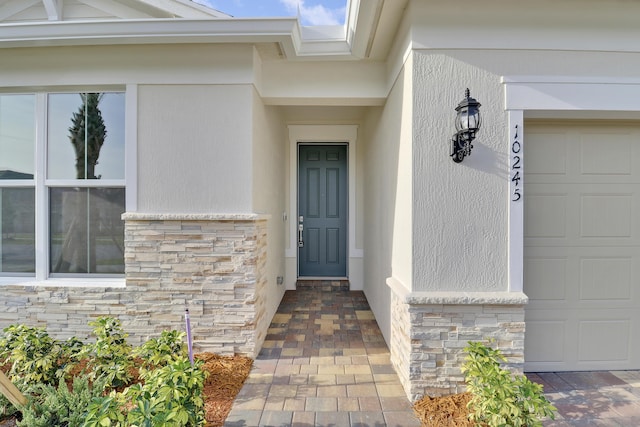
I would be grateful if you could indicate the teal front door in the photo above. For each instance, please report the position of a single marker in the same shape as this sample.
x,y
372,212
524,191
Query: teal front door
x,y
322,210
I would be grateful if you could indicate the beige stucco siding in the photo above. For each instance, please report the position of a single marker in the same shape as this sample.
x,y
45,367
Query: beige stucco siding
x,y
194,148
268,183
388,198
460,209
91,67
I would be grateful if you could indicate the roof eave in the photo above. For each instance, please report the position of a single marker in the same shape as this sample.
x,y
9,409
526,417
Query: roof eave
x,y
285,31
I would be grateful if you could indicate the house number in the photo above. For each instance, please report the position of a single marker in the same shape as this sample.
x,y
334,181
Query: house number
x,y
516,159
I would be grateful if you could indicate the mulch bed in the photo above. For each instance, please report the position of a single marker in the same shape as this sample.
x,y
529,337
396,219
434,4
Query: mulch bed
x,y
226,377
446,411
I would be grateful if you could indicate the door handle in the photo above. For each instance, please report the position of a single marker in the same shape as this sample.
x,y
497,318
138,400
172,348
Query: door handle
x,y
300,241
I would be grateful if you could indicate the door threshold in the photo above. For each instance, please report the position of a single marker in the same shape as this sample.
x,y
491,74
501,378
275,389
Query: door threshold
x,y
323,283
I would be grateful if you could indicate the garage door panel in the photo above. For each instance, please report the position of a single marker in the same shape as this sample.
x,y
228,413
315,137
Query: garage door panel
x,y
606,215
604,341
550,275
584,154
612,158
547,153
582,246
606,278
547,341
547,215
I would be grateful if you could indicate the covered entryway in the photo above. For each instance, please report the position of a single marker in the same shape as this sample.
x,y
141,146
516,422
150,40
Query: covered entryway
x,y
582,245
322,210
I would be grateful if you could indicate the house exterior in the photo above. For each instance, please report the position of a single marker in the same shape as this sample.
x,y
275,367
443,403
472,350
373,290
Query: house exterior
x,y
157,156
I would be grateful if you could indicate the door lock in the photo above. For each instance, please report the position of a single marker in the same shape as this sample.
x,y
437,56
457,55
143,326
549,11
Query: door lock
x,y
300,229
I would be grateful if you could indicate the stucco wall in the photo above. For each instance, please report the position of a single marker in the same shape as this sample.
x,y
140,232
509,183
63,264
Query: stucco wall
x,y
194,148
90,67
460,209
388,198
269,167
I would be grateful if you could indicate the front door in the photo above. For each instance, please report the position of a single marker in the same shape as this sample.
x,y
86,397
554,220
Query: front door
x,y
322,210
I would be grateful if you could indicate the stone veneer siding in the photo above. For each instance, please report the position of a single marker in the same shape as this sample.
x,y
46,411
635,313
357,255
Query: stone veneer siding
x,y
429,331
212,264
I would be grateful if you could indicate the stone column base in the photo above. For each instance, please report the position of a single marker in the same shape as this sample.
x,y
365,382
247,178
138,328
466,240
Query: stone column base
x,y
429,331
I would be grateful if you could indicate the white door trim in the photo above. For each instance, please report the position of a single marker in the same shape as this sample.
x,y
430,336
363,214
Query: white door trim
x,y
322,134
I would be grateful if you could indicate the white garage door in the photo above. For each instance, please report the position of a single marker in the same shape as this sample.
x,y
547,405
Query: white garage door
x,y
582,246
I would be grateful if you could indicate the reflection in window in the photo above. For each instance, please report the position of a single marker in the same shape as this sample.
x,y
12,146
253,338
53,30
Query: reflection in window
x,y
86,136
17,230
83,140
17,136
87,234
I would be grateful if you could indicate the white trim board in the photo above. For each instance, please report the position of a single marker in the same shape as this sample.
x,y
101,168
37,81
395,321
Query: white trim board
x,y
544,96
322,134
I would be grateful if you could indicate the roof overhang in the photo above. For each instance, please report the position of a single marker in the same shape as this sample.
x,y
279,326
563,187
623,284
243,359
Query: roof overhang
x,y
353,41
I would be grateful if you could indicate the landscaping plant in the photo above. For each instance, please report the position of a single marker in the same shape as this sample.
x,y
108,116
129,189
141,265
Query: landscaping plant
x,y
110,357
499,398
161,351
168,389
33,354
59,406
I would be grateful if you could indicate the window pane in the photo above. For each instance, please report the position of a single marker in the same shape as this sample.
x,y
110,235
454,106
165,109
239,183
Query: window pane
x,y
87,234
17,230
86,136
17,136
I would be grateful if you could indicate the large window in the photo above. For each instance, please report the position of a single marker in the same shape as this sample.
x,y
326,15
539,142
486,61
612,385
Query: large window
x,y
62,184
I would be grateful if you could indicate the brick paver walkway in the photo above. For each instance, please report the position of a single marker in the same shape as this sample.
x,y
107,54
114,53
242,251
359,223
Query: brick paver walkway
x,y
597,399
324,363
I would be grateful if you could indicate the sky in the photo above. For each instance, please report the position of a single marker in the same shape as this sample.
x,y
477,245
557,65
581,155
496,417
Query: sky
x,y
312,12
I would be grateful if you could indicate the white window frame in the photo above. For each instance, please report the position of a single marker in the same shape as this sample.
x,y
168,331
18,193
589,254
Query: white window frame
x,y
42,276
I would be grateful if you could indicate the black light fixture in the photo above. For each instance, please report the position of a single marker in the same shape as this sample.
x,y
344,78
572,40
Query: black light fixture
x,y
467,124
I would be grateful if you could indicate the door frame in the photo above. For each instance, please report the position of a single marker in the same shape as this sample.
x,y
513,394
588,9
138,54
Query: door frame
x,y
323,135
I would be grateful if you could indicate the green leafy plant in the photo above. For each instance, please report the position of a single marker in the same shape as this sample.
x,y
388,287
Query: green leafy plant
x,y
34,355
110,357
106,411
59,406
499,398
161,351
170,393
171,396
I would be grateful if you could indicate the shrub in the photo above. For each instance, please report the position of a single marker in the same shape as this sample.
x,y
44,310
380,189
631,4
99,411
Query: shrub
x,y
170,393
59,406
500,399
171,396
33,354
106,411
158,352
110,357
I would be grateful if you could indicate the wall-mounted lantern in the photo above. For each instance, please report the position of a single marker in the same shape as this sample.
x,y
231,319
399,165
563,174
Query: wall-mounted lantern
x,y
467,124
